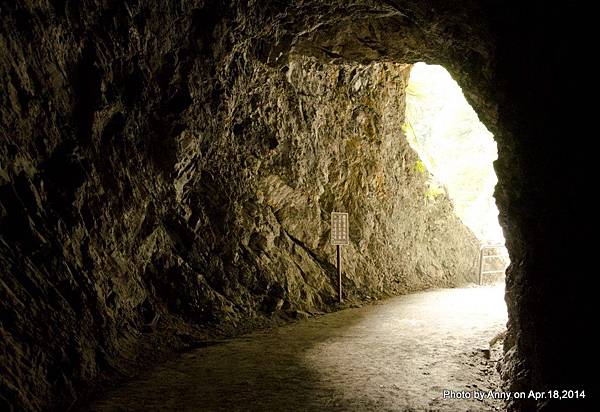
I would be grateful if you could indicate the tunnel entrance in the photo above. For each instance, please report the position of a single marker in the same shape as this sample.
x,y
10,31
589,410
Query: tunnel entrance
x,y
180,163
458,151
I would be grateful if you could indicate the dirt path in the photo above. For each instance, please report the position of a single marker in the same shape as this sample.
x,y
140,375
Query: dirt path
x,y
399,355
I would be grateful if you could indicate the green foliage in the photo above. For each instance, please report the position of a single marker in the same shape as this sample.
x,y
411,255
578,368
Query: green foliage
x,y
434,191
420,167
409,133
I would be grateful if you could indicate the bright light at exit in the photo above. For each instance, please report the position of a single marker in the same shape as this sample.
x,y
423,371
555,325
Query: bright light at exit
x,y
455,147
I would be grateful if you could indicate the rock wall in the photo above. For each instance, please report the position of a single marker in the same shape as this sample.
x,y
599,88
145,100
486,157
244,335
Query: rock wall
x,y
516,64
169,170
543,175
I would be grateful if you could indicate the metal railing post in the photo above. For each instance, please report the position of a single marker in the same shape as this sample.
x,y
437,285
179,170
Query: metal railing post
x,y
481,265
482,256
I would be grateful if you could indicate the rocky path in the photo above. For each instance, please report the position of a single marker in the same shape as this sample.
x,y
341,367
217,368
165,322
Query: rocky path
x,y
398,355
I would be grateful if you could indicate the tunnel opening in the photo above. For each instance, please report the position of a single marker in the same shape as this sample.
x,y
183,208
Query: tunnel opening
x,y
217,216
458,151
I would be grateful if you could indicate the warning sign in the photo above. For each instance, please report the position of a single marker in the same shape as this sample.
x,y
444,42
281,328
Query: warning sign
x,y
339,228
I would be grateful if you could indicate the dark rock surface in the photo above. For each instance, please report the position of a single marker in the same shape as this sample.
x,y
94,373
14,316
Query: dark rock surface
x,y
170,167
160,177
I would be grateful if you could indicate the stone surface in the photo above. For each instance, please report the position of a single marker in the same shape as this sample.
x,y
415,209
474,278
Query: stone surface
x,y
180,159
163,179
398,355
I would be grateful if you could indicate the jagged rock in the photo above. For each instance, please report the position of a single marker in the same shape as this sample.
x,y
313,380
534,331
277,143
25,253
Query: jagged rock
x,y
141,178
181,160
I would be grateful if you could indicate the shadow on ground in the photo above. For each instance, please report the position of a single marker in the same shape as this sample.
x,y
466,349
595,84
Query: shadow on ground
x,y
397,355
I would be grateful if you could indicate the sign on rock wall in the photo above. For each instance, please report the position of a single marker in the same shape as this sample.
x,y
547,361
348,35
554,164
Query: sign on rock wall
x,y
339,236
339,228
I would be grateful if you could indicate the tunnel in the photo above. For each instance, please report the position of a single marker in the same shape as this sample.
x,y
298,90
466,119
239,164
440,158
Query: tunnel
x,y
169,171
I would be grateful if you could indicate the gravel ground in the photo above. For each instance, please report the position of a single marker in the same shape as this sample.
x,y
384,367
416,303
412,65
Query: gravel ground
x,y
398,355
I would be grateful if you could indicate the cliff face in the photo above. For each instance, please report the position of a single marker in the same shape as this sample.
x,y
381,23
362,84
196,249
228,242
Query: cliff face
x,y
168,170
170,165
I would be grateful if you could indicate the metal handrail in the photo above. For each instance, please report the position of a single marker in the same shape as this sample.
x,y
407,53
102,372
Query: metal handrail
x,y
482,257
